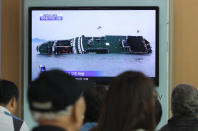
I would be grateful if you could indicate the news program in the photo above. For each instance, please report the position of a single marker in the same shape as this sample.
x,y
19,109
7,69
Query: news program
x,y
93,43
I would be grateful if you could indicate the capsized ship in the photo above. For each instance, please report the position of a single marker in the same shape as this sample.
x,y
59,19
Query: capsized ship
x,y
98,45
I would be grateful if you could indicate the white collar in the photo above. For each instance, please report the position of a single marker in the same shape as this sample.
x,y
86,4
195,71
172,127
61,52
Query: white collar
x,y
3,109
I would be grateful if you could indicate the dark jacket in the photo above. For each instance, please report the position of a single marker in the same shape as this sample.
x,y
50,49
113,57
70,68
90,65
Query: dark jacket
x,y
48,128
181,123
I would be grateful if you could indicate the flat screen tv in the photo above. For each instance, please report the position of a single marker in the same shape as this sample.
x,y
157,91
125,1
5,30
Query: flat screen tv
x,y
94,43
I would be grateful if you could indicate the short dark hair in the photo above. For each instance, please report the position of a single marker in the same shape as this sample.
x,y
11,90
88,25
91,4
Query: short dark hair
x,y
8,90
129,104
94,98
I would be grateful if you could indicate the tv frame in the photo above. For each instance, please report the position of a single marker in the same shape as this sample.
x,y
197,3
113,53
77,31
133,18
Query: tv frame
x,y
97,80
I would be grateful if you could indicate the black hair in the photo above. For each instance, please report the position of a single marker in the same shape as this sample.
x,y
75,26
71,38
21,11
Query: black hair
x,y
94,98
158,113
8,90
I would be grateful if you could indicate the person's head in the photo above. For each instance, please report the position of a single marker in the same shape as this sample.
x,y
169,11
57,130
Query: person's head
x,y
94,98
129,104
55,98
158,111
9,95
184,100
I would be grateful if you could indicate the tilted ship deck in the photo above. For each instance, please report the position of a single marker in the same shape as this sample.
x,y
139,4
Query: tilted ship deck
x,y
99,45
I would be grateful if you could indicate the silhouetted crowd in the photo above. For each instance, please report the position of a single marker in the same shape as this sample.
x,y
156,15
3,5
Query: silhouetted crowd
x,y
59,102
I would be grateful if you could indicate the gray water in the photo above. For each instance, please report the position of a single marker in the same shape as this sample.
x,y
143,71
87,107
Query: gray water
x,y
110,64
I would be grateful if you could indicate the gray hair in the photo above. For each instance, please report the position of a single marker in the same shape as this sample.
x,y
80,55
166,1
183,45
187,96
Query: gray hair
x,y
51,115
185,100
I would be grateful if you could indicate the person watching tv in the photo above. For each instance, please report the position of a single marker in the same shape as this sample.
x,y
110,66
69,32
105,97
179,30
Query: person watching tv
x,y
184,105
9,95
56,101
94,98
129,104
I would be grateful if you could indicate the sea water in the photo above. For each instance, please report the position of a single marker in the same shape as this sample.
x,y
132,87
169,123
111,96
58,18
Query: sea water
x,y
109,65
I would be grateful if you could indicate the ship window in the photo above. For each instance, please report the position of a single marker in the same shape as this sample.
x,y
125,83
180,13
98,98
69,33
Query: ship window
x,y
107,44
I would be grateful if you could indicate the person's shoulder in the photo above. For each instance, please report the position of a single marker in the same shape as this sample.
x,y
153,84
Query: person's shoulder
x,y
165,128
88,126
140,130
24,127
14,117
18,123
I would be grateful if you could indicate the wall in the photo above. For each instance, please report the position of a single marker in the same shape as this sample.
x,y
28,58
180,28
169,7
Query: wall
x,y
186,45
0,32
10,47
10,40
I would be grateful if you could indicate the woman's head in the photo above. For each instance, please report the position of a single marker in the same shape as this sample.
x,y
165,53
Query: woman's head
x,y
130,103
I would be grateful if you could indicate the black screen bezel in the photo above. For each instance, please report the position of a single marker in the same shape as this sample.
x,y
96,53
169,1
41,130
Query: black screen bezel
x,y
99,80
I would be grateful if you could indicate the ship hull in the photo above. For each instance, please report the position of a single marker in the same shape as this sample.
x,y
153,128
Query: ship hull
x,y
97,45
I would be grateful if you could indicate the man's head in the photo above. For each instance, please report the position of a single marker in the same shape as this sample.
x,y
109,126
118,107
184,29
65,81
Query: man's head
x,y
56,98
9,95
185,100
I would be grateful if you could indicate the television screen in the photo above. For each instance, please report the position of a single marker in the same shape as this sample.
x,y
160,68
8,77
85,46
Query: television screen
x,y
94,43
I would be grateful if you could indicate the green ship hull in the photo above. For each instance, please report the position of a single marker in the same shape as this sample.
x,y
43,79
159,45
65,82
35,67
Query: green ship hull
x,y
99,45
